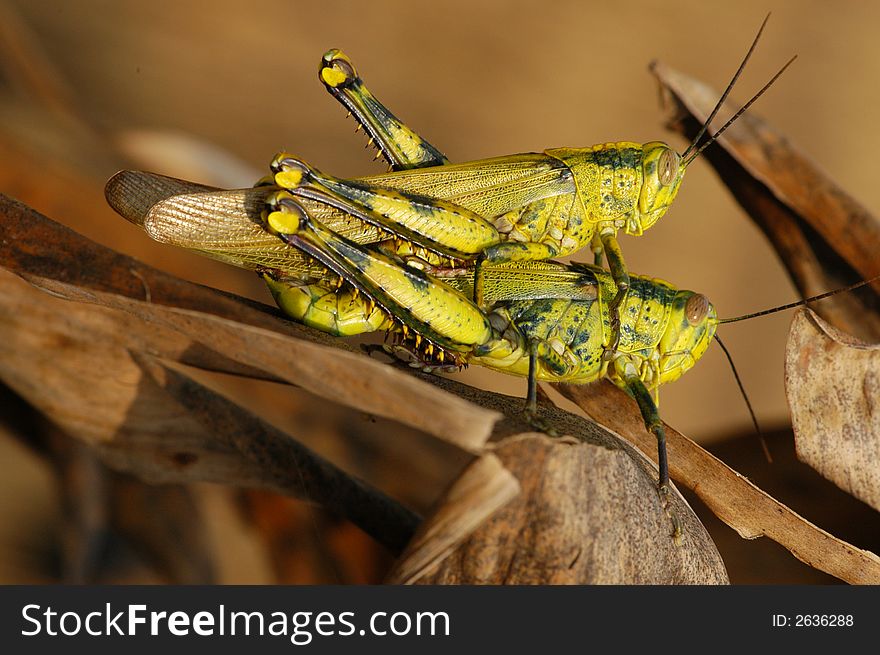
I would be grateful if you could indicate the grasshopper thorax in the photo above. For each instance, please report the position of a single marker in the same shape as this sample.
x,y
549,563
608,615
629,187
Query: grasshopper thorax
x,y
662,172
691,327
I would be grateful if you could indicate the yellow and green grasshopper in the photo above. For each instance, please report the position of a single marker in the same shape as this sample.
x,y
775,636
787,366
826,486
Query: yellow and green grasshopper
x,y
541,320
452,256
523,207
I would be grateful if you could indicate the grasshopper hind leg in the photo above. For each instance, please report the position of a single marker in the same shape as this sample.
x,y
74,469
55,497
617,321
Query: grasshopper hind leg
x,y
401,147
422,305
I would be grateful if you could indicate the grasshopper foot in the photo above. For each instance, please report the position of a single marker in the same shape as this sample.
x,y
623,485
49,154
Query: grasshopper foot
x,y
663,492
531,417
413,357
611,348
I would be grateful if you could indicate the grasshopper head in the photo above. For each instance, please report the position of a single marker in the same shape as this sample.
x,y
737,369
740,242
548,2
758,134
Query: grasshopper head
x,y
691,326
662,172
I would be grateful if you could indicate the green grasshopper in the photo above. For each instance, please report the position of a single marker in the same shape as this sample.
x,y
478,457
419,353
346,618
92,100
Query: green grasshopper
x,y
524,207
541,320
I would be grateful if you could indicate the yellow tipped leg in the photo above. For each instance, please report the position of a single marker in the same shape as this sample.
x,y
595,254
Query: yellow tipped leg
x,y
400,145
283,215
289,171
337,69
442,226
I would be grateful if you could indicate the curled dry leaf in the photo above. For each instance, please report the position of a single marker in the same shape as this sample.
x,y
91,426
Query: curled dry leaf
x,y
106,368
82,364
733,499
824,238
481,490
570,488
833,386
285,464
194,325
591,492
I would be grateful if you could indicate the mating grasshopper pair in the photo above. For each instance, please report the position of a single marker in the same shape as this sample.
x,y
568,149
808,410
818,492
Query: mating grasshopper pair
x,y
453,258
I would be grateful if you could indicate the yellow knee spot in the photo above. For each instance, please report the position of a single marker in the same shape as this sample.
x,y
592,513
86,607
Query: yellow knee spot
x,y
333,77
289,179
283,222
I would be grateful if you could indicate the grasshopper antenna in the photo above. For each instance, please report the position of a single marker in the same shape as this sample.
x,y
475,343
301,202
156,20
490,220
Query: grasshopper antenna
x,y
727,90
737,114
745,396
765,312
800,303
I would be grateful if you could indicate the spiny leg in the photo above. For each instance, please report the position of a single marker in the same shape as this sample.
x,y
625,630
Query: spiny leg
x,y
620,275
438,225
431,309
339,309
402,148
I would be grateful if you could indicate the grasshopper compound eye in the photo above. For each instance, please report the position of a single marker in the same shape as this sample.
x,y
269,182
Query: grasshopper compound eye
x,y
696,309
667,166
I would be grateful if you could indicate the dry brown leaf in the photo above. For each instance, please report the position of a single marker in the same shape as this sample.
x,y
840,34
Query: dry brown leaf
x,y
735,500
481,490
587,514
254,340
286,465
824,238
83,363
833,386
589,492
81,366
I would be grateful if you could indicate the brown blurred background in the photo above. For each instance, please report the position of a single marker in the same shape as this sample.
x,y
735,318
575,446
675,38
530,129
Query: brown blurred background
x,y
211,91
